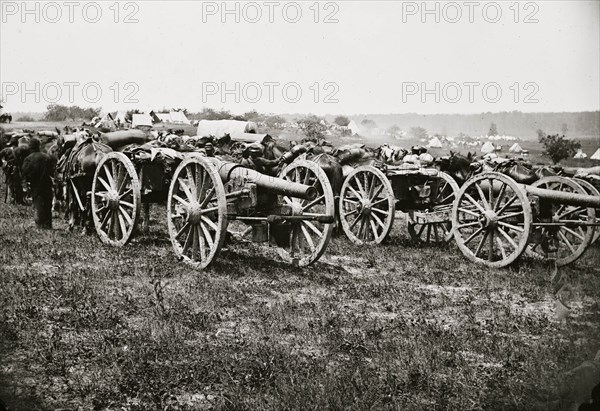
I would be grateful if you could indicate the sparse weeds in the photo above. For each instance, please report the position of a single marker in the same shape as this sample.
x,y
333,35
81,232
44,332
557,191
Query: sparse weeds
x,y
397,327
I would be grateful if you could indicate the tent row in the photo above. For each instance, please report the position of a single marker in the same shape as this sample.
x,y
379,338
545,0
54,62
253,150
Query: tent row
x,y
580,155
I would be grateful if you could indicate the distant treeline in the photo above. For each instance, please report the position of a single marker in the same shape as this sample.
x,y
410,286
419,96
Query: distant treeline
x,y
515,123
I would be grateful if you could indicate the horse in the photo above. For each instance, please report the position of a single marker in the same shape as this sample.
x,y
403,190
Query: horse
x,y
76,172
457,166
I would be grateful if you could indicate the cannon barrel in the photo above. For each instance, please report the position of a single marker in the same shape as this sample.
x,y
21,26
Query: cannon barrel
x,y
561,197
274,185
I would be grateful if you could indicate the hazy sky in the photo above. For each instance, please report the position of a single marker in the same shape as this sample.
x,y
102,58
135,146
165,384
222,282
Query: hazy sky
x,y
373,57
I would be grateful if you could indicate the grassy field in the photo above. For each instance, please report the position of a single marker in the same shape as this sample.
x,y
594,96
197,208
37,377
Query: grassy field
x,y
399,326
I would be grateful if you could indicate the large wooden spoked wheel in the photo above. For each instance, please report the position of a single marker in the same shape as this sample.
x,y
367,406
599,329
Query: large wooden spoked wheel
x,y
562,243
367,206
426,226
491,219
591,190
115,199
308,238
196,212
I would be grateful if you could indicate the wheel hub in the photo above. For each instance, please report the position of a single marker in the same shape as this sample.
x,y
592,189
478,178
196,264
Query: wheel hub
x,y
194,213
365,207
489,219
112,200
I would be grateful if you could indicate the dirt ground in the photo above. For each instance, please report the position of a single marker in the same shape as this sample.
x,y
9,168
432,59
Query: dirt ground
x,y
398,326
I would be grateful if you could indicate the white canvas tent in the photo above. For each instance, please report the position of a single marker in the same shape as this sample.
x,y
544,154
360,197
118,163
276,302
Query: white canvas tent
x,y
488,148
219,128
435,143
580,154
141,120
596,155
515,148
353,127
179,117
106,122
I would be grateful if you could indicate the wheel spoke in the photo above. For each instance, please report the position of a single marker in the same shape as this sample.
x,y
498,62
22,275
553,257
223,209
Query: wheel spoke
x,y
128,191
507,204
106,219
209,223
511,215
188,241
508,238
109,177
313,228
482,196
377,192
574,233
201,240
510,226
379,202
500,196
185,189
192,182
358,196
421,230
199,181
491,245
571,211
501,246
105,184
350,213
373,229
481,243
313,203
475,234
475,203
471,224
126,216
467,211
360,187
566,241
380,211
354,222
209,196
180,200
185,228
307,237
378,220
122,225
207,236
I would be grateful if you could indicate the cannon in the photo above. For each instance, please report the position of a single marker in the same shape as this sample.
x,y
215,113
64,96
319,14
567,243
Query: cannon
x,y
293,213
495,219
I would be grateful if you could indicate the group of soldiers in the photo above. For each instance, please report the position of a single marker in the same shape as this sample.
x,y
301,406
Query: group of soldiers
x,y
28,175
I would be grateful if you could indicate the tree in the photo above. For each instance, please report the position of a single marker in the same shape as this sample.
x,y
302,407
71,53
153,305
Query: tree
x,y
493,130
564,128
559,147
540,134
394,130
130,113
342,121
313,127
57,112
418,132
368,124
275,121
